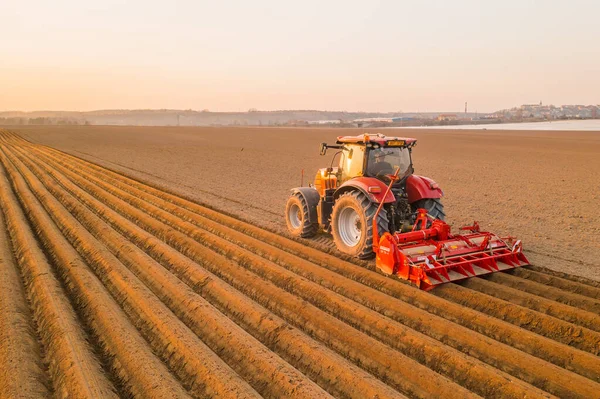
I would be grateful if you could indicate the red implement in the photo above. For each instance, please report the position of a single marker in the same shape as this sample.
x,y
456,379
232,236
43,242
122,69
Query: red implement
x,y
430,255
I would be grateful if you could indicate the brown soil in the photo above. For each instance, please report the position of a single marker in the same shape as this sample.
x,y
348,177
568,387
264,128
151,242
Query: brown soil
x,y
160,296
542,187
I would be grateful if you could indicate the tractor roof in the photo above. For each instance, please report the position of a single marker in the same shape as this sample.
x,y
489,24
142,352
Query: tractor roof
x,y
378,139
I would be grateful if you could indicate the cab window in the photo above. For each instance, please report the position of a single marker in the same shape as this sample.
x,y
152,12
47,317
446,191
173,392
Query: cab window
x,y
352,161
386,160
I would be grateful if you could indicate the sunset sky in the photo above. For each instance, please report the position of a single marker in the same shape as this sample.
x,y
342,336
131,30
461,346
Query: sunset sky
x,y
330,55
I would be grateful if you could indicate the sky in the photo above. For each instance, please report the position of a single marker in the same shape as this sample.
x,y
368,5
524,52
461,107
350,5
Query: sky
x,y
389,56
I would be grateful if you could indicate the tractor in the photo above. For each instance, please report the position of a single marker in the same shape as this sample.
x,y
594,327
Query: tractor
x,y
343,199
373,204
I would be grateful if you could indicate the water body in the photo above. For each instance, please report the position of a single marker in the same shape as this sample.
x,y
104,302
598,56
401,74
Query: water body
x,y
585,125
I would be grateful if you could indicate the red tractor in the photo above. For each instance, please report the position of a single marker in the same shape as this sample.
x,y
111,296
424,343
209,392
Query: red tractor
x,y
373,204
344,199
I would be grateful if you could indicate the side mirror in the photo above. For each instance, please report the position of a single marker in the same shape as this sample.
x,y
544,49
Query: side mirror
x,y
323,148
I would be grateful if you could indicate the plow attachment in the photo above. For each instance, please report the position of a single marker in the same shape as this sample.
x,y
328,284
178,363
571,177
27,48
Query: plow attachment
x,y
430,255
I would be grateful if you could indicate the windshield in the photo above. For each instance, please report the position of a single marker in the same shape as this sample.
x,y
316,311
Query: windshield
x,y
385,161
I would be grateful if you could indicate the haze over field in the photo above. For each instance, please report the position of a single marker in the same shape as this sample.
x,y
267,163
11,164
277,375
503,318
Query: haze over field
x,y
336,55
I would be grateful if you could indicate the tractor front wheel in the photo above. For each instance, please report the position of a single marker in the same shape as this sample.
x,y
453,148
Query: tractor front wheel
x,y
296,218
352,224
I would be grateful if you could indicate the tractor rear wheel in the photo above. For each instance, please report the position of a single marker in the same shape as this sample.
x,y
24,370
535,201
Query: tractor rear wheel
x,y
296,218
434,207
352,224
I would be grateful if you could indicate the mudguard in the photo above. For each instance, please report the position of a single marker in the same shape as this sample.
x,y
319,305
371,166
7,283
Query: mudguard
x,y
420,187
312,198
373,188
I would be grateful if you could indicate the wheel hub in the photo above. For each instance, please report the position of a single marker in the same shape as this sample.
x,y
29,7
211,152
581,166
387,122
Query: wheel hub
x,y
295,216
350,227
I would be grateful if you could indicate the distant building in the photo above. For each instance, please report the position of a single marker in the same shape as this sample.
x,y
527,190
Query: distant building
x,y
447,117
373,120
325,122
403,119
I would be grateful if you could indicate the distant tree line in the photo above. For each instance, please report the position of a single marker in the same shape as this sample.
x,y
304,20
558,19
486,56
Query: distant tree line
x,y
42,121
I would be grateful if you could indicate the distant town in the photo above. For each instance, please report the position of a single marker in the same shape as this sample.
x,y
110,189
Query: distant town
x,y
254,117
549,112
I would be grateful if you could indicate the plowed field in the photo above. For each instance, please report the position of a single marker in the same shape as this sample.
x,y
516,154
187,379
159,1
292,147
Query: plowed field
x,y
110,287
543,187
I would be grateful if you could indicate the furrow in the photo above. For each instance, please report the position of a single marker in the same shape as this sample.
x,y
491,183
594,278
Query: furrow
x,y
74,370
329,369
566,276
201,369
479,295
561,355
568,313
390,365
558,282
131,358
268,373
546,290
22,374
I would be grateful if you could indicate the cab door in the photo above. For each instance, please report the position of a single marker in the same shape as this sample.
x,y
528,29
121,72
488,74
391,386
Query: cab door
x,y
352,162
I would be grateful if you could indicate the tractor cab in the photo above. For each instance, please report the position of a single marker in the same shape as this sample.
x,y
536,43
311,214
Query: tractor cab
x,y
368,155
373,155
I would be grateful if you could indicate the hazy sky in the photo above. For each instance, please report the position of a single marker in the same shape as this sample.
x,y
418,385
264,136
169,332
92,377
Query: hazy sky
x,y
334,55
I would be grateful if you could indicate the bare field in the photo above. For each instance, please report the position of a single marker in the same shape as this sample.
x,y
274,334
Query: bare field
x,y
110,287
543,187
